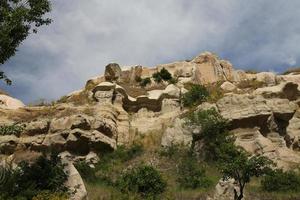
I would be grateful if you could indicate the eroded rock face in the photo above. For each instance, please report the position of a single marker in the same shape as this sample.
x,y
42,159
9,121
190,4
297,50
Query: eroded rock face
x,y
7,102
177,134
112,72
244,110
209,69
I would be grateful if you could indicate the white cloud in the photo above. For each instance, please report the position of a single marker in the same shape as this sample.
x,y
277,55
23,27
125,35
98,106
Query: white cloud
x,y
86,35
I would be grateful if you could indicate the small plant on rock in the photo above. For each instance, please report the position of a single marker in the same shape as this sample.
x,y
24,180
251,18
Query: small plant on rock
x,y
162,75
11,130
145,81
144,180
195,96
280,181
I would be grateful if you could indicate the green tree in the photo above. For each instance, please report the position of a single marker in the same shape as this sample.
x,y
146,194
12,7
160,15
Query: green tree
x,y
18,18
195,96
236,164
214,132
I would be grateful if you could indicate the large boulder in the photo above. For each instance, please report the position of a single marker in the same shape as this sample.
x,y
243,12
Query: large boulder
x,y
285,90
177,134
209,69
268,78
248,111
112,72
228,87
7,102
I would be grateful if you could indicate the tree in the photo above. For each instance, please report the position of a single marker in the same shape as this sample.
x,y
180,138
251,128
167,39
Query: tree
x,y
214,132
18,18
236,164
195,96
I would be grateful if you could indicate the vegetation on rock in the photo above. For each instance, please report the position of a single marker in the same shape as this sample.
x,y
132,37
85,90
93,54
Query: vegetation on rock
x,y
195,96
234,163
145,180
33,180
278,180
11,130
214,132
162,75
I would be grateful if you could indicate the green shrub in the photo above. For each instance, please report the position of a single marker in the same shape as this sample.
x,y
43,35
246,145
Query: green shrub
x,y
29,180
11,130
196,95
163,74
86,172
214,131
191,175
107,168
145,81
157,78
174,151
173,81
280,181
138,79
144,180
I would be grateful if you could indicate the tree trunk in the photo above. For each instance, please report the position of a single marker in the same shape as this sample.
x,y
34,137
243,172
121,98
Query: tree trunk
x,y
240,196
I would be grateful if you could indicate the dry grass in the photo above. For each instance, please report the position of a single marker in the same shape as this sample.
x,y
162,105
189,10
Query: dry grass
x,y
250,84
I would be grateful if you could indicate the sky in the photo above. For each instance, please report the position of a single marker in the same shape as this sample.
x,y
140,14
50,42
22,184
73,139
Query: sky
x,y
86,35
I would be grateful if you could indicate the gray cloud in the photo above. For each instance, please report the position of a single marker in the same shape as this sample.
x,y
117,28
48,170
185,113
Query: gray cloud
x,y
86,35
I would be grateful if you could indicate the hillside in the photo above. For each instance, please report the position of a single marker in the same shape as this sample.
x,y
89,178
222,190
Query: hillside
x,y
141,113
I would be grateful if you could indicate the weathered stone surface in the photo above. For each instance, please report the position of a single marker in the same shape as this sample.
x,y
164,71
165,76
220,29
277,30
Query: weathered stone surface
x,y
75,182
210,69
228,87
285,90
293,132
40,126
112,72
177,134
7,102
268,78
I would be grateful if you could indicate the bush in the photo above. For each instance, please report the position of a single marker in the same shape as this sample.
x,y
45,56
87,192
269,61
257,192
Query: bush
x,y
107,168
191,174
144,82
86,172
163,74
279,180
144,180
138,79
11,130
214,131
27,181
196,95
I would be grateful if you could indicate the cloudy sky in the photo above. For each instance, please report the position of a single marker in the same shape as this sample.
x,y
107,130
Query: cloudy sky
x,y
87,34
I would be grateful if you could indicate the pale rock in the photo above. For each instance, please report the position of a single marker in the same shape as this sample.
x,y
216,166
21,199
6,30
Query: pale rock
x,y
269,78
228,87
288,78
209,69
112,72
40,126
7,102
286,90
75,182
177,134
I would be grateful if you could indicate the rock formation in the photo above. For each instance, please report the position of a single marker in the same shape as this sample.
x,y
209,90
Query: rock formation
x,y
105,114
